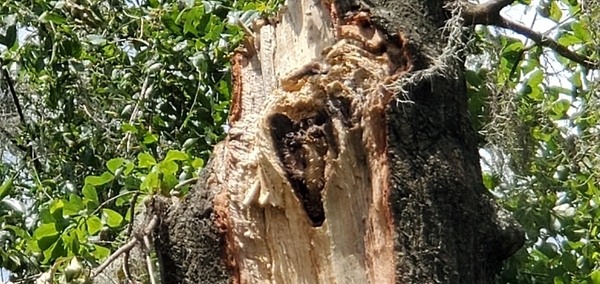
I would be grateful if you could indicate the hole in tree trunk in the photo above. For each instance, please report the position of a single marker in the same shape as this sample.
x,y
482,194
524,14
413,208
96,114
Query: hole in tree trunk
x,y
303,147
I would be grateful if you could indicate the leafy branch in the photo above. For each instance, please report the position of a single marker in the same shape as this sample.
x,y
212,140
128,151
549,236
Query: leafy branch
x,y
489,14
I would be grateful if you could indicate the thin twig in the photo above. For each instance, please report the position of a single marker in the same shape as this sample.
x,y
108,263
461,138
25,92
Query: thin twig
x,y
149,261
132,212
132,39
112,199
13,93
134,114
127,247
126,269
114,256
26,279
185,182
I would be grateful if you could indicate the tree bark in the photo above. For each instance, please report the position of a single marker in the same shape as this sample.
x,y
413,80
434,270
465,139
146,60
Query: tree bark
x,y
350,158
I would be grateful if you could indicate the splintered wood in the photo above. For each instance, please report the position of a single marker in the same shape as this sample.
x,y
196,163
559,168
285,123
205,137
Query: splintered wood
x,y
302,195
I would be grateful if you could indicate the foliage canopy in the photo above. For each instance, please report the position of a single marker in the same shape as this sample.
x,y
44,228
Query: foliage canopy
x,y
106,91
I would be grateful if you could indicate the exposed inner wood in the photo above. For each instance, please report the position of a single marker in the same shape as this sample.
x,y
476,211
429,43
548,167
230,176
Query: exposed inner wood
x,y
302,194
330,175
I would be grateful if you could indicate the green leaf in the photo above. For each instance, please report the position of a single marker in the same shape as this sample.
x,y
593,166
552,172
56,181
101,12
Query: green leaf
x,y
114,164
169,182
473,78
112,218
57,205
150,182
198,163
555,12
171,26
145,160
106,177
190,27
580,32
549,249
128,214
126,127
129,166
560,90
150,138
100,252
17,231
534,93
595,276
52,17
213,33
513,47
540,135
560,108
44,231
73,206
89,192
490,181
536,78
168,167
175,155
576,79
569,39
569,262
55,250
6,188
193,18
94,224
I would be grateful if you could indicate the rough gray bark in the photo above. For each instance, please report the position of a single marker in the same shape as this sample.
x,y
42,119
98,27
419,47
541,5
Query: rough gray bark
x,y
191,246
351,159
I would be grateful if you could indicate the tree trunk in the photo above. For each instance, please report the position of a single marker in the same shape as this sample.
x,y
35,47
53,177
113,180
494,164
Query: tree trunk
x,y
350,158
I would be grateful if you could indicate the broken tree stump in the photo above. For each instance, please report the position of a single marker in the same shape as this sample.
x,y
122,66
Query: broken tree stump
x,y
349,159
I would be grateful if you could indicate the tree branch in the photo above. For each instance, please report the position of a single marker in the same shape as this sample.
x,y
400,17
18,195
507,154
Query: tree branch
x,y
489,14
13,93
127,247
29,151
149,262
549,42
485,13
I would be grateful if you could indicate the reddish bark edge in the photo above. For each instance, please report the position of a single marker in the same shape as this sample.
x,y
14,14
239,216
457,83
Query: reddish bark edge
x,y
238,62
223,225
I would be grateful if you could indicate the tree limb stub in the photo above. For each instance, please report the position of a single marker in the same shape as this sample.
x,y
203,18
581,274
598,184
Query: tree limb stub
x,y
489,14
325,178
